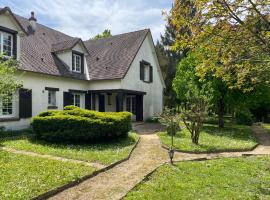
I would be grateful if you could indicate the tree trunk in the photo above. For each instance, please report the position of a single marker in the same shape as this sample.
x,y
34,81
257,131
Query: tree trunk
x,y
221,110
195,138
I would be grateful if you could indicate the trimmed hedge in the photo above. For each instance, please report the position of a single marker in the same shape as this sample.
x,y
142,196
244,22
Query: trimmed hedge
x,y
76,125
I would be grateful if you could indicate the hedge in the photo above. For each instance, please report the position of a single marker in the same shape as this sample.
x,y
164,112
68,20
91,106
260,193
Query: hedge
x,y
76,125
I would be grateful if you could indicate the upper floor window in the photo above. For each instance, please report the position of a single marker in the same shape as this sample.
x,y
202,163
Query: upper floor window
x,y
146,72
6,44
77,62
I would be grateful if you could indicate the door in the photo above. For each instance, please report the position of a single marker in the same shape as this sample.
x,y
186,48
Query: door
x,y
101,106
131,106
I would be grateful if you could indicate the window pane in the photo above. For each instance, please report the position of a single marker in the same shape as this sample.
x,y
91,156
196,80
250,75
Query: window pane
x,y
7,106
128,104
52,98
77,100
134,105
146,73
7,44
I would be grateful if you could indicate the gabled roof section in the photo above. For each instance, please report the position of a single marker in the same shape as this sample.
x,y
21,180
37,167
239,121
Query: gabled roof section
x,y
8,10
110,58
67,45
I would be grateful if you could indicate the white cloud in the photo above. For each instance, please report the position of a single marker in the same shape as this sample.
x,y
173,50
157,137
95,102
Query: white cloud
x,y
85,19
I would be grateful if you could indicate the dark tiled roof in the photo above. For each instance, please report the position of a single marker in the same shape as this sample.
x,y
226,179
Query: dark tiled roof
x,y
108,58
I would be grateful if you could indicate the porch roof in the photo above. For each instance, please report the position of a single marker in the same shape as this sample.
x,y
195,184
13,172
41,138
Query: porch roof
x,y
125,91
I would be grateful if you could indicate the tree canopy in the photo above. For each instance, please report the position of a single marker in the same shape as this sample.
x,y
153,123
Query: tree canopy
x,y
231,39
106,33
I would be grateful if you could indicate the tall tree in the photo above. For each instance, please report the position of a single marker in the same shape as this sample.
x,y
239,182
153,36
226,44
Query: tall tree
x,y
233,39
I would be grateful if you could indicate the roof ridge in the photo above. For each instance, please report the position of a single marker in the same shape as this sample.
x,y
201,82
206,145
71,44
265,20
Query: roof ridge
x,y
95,40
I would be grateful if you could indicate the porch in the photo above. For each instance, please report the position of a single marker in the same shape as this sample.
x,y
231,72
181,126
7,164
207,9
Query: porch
x,y
117,100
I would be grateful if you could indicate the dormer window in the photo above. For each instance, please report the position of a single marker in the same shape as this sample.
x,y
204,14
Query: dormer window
x,y
6,44
77,62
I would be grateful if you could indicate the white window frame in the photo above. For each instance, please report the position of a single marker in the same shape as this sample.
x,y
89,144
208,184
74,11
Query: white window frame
x,y
12,107
52,94
2,34
132,106
74,99
77,66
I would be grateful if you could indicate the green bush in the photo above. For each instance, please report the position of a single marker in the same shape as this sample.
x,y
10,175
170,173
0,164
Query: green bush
x,y
243,117
76,125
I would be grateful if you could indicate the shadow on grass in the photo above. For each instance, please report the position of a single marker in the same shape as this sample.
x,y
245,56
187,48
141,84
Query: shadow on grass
x,y
112,144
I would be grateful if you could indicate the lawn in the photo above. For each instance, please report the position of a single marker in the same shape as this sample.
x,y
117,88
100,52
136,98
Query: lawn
x,y
229,178
232,137
24,177
267,127
104,153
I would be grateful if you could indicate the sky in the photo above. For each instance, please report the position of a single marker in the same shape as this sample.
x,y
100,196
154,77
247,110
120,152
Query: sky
x,y
87,18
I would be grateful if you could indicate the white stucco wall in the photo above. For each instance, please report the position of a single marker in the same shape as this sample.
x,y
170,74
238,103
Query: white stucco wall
x,y
37,83
153,100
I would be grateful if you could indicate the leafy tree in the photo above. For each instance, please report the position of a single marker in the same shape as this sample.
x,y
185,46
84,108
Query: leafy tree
x,y
105,34
232,37
8,82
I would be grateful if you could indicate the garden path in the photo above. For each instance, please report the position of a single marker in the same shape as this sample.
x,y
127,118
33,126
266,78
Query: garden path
x,y
148,155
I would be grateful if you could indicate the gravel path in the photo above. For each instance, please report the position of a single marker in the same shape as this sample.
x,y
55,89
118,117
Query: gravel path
x,y
116,182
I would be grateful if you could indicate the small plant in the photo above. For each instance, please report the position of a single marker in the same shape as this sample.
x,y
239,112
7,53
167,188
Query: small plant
x,y
244,117
171,121
193,116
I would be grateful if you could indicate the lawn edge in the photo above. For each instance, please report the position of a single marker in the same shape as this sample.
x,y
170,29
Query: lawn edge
x,y
214,151
71,184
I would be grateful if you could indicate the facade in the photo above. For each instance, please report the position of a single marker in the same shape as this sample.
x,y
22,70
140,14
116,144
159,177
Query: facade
x,y
119,73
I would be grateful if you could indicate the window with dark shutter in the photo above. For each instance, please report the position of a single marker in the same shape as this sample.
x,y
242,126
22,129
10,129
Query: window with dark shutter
x,y
141,71
25,103
151,74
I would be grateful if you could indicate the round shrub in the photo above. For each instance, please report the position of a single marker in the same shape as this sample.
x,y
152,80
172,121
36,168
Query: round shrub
x,y
77,125
243,117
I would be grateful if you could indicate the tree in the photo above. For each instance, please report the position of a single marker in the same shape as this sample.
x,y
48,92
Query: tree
x,y
230,37
8,82
105,34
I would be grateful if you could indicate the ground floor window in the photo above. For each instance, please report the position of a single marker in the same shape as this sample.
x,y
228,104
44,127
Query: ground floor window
x,y
131,104
52,98
6,107
77,100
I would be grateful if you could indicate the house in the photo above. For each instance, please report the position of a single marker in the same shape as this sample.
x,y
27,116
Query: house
x,y
119,73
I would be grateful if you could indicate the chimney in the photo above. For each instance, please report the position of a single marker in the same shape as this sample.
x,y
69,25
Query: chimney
x,y
33,21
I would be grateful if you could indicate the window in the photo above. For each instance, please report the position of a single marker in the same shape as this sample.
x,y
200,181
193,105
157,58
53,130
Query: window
x,y
77,100
6,44
146,77
6,106
76,62
146,72
131,105
52,98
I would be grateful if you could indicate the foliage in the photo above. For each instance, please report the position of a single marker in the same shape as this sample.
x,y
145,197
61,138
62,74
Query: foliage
x,y
231,39
171,121
25,177
213,139
102,152
105,34
8,82
152,120
80,125
244,117
226,178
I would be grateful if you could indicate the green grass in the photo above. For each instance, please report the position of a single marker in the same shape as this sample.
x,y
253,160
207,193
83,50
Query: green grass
x,y
212,138
267,127
229,178
24,177
104,153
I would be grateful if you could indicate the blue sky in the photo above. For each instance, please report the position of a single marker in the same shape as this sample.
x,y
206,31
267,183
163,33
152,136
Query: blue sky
x,y
86,18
